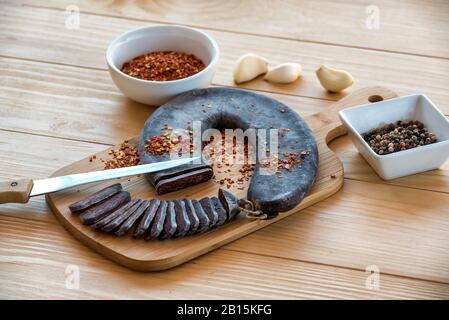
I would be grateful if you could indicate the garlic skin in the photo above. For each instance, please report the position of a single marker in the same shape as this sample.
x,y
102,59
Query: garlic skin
x,y
284,73
334,80
248,67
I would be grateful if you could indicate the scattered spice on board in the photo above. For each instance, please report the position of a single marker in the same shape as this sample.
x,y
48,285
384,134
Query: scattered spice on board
x,y
228,172
290,160
399,136
159,145
166,127
166,142
125,156
163,66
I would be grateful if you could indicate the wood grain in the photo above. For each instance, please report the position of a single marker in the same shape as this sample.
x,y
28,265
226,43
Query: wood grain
x,y
404,26
82,104
401,230
15,190
161,255
34,259
62,105
393,210
57,44
350,230
302,233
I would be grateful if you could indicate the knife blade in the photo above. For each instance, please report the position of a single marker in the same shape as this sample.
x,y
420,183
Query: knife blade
x,y
49,185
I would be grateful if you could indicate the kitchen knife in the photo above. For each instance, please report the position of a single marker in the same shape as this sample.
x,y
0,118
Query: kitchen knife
x,y
19,191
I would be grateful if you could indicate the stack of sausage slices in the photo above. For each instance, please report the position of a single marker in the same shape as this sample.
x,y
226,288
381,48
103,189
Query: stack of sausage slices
x,y
113,210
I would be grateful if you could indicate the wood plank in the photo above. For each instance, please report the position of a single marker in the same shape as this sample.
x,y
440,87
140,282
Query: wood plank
x,y
358,169
55,43
82,104
73,104
404,26
34,258
35,252
403,231
24,155
161,255
221,275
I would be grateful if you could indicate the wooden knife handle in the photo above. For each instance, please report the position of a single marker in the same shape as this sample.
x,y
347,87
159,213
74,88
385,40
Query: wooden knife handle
x,y
15,191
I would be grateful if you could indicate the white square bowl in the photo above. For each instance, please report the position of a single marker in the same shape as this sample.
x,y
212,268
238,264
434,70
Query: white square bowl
x,y
361,119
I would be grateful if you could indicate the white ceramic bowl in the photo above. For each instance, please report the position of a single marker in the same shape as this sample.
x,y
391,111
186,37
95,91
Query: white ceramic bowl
x,y
160,38
361,119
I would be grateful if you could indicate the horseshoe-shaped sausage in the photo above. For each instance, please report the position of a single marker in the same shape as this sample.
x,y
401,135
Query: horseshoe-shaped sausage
x,y
235,108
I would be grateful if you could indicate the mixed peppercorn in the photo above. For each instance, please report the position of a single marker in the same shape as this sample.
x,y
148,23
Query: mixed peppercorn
x,y
399,136
163,66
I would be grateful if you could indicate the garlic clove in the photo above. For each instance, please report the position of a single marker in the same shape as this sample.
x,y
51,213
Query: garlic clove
x,y
334,80
284,73
249,66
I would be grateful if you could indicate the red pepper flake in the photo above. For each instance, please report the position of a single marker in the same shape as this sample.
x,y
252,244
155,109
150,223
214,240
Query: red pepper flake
x,y
167,127
166,142
159,145
291,159
125,156
163,66
228,173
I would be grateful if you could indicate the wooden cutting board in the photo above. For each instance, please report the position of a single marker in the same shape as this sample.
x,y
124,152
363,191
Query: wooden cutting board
x,y
163,254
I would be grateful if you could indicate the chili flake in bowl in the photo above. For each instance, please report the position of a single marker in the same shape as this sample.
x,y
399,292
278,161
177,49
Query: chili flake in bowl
x,y
163,66
153,64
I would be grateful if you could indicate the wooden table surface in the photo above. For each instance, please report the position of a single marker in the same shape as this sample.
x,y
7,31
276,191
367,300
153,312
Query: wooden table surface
x,y
58,105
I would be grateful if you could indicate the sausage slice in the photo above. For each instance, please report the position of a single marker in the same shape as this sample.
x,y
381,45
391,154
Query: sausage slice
x,y
129,222
222,215
208,207
95,198
182,219
103,208
147,218
158,221
193,218
170,225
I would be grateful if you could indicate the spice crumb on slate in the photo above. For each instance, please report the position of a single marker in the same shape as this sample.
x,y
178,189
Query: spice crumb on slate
x,y
163,66
228,172
290,160
125,156
399,136
159,145
166,142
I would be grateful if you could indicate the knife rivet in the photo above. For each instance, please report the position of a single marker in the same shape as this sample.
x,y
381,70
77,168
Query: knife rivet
x,y
14,184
